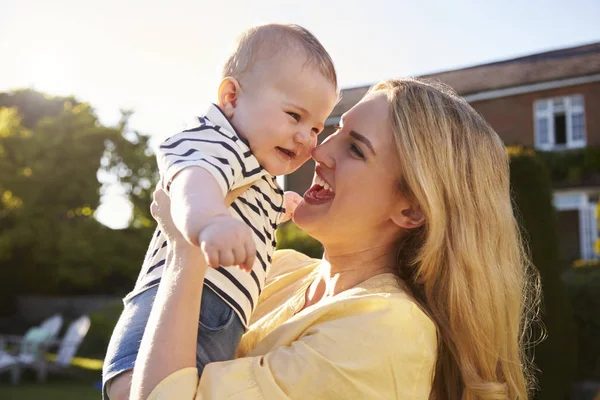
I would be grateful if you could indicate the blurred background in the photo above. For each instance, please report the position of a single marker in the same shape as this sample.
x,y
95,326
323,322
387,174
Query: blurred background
x,y
88,89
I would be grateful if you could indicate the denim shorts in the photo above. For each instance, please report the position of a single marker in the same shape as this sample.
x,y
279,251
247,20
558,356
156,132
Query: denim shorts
x,y
219,333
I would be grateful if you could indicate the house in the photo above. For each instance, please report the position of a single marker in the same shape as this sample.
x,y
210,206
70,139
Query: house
x,y
549,101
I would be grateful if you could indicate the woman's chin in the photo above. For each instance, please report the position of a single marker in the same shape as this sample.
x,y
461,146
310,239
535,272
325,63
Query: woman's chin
x,y
306,216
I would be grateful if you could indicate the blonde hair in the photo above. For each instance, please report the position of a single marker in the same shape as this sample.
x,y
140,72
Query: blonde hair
x,y
267,41
467,265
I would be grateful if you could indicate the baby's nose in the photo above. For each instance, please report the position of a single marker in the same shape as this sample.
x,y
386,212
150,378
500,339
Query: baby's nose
x,y
305,138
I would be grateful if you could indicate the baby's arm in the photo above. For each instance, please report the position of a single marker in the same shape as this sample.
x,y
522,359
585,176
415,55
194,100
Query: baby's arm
x,y
199,212
203,169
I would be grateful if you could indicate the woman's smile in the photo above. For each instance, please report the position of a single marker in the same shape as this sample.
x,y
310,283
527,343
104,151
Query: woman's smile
x,y
321,191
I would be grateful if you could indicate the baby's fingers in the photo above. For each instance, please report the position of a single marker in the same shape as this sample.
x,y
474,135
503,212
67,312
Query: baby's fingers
x,y
227,257
239,253
250,256
212,255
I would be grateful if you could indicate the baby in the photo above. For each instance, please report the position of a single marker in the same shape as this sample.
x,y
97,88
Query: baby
x,y
277,89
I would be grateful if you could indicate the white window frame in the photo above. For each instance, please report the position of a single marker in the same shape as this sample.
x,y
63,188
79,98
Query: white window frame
x,y
588,220
546,109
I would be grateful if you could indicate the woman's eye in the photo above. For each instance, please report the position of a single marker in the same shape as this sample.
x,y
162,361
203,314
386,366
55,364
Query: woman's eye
x,y
294,115
354,149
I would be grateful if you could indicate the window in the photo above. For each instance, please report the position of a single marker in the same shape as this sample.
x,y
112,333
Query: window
x,y
578,224
560,123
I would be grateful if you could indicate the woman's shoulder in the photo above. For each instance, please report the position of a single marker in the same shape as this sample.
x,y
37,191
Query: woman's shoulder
x,y
386,314
388,332
394,305
411,319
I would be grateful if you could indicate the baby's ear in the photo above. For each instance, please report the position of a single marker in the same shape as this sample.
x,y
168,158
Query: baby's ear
x,y
229,90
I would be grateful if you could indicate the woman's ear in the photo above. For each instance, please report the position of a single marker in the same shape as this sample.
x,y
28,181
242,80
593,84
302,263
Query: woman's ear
x,y
408,215
229,91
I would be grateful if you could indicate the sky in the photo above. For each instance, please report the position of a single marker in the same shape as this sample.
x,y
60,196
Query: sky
x,y
162,59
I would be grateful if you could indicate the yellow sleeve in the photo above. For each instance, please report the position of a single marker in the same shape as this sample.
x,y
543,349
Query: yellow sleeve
x,y
373,355
179,385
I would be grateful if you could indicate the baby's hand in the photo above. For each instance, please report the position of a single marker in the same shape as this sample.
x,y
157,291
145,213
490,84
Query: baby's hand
x,y
292,199
226,241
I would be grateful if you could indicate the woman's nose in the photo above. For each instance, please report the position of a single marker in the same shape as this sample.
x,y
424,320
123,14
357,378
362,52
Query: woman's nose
x,y
322,155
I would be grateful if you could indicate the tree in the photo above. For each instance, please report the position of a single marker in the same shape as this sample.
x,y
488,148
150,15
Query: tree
x,y
128,157
51,149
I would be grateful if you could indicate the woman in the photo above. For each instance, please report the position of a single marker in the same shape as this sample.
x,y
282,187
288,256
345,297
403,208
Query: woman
x,y
424,290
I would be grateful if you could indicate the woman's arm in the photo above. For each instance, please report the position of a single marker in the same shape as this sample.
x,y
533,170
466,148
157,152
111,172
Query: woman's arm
x,y
169,341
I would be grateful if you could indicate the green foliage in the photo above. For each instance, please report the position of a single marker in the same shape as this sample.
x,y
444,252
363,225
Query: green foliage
x,y
35,106
573,167
556,355
583,286
130,159
102,323
289,236
51,152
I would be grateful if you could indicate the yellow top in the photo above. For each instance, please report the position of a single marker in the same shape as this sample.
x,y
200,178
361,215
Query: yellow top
x,y
368,342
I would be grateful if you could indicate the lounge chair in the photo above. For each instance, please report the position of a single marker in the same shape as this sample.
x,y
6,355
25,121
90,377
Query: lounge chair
x,y
67,347
31,346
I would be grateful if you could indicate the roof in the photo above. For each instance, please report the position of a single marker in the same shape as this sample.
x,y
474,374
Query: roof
x,y
548,66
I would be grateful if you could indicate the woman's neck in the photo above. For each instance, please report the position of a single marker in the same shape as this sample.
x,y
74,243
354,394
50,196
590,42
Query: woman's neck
x,y
368,262
341,271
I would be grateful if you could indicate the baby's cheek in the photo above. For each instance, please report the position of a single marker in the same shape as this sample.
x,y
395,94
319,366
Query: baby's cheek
x,y
305,156
304,160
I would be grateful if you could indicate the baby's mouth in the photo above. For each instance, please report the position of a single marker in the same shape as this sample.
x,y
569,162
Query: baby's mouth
x,y
287,153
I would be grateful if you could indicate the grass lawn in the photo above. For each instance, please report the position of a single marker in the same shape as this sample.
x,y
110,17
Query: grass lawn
x,y
57,386
53,389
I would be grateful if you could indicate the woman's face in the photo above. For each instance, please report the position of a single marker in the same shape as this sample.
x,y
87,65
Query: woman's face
x,y
354,195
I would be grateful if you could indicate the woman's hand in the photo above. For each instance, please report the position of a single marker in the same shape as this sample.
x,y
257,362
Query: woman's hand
x,y
169,341
161,211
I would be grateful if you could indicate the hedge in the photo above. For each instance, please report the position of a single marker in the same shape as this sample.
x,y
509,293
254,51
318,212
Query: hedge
x,y
289,236
555,356
583,285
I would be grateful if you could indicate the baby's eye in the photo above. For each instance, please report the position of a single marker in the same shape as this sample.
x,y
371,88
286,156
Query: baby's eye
x,y
294,115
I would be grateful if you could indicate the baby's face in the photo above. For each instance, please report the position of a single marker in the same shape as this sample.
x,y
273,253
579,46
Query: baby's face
x,y
281,109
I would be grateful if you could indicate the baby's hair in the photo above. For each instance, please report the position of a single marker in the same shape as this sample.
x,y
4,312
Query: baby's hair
x,y
266,41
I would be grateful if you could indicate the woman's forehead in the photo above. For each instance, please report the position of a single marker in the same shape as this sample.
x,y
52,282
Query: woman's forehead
x,y
371,117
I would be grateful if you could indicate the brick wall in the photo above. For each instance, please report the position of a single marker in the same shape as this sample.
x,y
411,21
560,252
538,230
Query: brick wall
x,y
512,117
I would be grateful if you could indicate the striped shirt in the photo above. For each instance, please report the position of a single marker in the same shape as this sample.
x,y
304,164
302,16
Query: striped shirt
x,y
211,142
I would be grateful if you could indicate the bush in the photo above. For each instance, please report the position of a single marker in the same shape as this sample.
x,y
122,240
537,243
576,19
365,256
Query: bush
x,y
102,324
573,167
583,285
556,355
289,236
